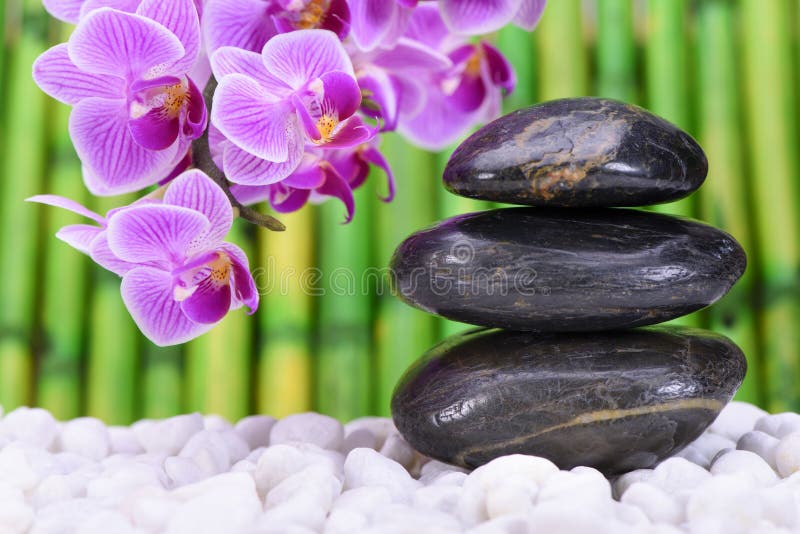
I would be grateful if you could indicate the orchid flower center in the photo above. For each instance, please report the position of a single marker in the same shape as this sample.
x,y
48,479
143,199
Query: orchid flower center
x,y
473,66
306,15
169,99
213,268
326,125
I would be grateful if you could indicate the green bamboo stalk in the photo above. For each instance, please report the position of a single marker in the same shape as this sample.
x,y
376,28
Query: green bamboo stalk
x,y
666,72
220,360
285,272
616,51
561,52
114,341
23,165
519,47
771,108
403,333
343,386
723,199
63,320
162,381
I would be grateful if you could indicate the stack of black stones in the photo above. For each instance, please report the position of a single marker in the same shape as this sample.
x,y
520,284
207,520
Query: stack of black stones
x,y
562,371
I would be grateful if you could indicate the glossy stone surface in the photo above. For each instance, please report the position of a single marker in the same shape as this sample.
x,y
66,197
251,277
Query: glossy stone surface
x,y
565,270
615,401
578,152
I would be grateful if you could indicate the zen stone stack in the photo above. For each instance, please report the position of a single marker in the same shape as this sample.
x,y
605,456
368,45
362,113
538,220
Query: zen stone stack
x,y
561,371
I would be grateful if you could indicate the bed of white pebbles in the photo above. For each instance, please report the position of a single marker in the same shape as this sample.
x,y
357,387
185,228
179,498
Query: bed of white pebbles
x,y
307,473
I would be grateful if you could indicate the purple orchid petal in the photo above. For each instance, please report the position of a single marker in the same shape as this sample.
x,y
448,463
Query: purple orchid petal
x,y
64,10
114,162
249,195
210,301
529,14
196,114
244,168
412,95
336,186
299,57
217,145
101,254
351,132
371,21
437,125
341,93
196,191
285,199
373,155
413,56
310,177
243,24
122,44
128,6
500,69
79,236
152,83
181,18
68,204
155,232
469,94
57,76
230,60
427,26
244,287
148,295
383,91
473,17
337,18
248,116
408,3
306,120
184,163
154,130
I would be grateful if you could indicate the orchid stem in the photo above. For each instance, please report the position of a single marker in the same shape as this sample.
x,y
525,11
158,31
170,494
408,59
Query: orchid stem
x,y
201,158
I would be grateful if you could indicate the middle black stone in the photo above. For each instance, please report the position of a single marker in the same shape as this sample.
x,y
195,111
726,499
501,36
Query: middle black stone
x,y
565,270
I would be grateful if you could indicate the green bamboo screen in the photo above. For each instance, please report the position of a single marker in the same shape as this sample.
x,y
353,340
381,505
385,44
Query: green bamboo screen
x,y
329,336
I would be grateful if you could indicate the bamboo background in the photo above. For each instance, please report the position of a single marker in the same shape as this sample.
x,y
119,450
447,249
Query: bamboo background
x,y
325,340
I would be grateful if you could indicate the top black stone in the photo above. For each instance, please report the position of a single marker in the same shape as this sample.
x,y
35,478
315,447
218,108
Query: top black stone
x,y
578,152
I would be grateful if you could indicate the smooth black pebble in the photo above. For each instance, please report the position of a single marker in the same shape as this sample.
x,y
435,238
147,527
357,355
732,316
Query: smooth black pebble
x,y
616,401
565,270
578,152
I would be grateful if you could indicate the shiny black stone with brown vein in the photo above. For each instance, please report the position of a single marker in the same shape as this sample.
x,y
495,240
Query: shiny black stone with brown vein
x,y
615,401
578,152
562,270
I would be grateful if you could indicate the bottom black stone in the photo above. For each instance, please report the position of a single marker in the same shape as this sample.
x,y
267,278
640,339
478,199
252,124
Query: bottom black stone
x,y
616,401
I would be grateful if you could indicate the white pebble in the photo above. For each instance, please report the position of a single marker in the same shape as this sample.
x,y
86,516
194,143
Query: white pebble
x,y
443,498
747,464
15,515
358,438
170,435
217,423
481,482
366,467
225,503
320,430
380,427
736,419
678,474
32,426
760,443
105,522
15,468
771,424
787,454
123,440
364,500
623,482
657,504
709,445
726,504
85,436
209,452
281,461
255,430
344,521
397,449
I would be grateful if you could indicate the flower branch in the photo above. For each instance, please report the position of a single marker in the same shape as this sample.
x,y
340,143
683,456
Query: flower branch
x,y
202,160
